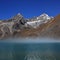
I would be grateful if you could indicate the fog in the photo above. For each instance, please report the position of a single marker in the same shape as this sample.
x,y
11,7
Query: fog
x,y
31,40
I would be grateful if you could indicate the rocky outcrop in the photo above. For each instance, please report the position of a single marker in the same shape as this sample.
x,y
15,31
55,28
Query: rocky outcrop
x,y
11,25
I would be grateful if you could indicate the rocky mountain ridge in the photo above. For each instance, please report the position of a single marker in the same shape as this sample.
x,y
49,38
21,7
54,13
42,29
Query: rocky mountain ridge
x,y
41,26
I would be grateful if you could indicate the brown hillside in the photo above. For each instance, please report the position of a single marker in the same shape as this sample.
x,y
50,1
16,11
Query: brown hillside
x,y
53,28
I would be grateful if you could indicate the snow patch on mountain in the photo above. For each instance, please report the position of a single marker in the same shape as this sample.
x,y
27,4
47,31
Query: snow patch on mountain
x,y
43,18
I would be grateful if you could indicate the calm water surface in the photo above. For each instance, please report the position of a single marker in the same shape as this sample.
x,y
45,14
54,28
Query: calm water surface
x,y
29,51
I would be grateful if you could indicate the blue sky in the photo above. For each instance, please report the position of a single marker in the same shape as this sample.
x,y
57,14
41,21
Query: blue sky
x,y
28,8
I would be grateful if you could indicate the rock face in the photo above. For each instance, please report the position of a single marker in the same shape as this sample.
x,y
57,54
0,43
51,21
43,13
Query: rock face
x,y
41,26
11,25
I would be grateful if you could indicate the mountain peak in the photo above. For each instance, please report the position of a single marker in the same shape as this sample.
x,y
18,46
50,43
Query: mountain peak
x,y
44,14
19,15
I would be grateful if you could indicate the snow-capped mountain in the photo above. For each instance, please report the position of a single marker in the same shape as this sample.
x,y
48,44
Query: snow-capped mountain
x,y
43,17
36,26
50,29
35,22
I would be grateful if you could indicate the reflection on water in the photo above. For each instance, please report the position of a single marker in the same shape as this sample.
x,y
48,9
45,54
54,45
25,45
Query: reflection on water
x,y
39,56
29,51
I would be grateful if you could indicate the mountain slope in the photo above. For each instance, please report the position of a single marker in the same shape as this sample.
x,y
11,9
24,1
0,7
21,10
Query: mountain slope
x,y
49,29
53,28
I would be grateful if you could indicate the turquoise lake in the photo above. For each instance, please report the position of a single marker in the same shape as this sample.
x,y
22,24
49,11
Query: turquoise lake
x,y
29,51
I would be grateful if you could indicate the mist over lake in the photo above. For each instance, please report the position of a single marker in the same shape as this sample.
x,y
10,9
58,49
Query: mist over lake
x,y
31,40
30,49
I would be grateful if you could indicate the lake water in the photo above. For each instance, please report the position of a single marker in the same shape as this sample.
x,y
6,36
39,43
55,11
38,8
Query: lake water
x,y
29,51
